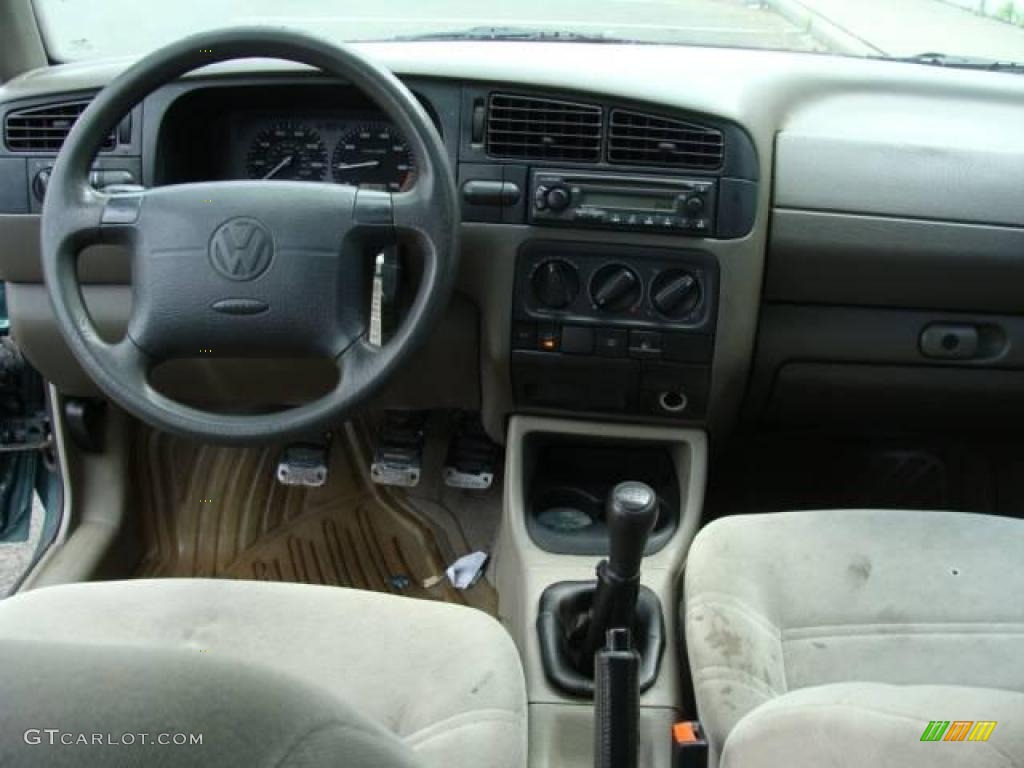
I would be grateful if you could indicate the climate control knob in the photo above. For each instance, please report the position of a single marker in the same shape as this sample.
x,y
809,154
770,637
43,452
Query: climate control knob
x,y
555,283
615,288
675,293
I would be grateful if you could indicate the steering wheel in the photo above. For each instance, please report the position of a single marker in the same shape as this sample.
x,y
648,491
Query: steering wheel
x,y
248,268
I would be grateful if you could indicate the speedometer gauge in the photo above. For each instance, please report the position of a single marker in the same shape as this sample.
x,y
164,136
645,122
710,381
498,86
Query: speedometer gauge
x,y
287,151
376,156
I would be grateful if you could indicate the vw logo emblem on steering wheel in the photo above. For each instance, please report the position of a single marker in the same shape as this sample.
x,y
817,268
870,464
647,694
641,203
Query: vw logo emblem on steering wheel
x,y
241,249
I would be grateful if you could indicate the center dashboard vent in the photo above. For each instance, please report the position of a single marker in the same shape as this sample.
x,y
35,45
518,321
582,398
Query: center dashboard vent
x,y
638,139
543,129
43,129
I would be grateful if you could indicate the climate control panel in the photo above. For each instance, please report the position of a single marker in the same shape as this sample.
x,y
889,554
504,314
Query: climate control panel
x,y
600,327
634,287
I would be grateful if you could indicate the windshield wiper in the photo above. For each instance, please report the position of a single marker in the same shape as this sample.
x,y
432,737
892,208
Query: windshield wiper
x,y
526,34
959,62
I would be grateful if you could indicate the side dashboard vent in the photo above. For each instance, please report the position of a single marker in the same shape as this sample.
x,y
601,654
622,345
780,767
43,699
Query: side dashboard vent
x,y
543,129
638,139
43,129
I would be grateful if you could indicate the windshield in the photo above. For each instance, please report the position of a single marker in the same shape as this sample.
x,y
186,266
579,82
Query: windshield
x,y
86,29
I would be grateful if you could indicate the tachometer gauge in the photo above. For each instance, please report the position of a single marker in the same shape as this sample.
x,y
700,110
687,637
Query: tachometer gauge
x,y
287,151
374,156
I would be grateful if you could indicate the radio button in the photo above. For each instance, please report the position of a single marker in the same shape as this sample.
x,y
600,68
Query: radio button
x,y
558,198
540,198
694,204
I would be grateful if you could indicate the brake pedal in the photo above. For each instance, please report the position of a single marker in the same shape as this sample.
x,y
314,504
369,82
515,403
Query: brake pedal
x,y
303,464
398,459
471,456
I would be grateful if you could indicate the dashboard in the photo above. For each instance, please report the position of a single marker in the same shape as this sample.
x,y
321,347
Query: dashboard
x,y
848,213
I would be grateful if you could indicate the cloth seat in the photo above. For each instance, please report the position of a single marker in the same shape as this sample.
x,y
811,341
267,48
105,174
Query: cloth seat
x,y
444,681
922,611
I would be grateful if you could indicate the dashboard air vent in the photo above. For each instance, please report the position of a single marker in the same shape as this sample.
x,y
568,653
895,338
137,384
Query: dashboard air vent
x,y
543,129
43,129
638,139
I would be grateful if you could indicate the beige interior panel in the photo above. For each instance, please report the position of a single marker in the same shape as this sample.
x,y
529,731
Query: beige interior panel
x,y
441,375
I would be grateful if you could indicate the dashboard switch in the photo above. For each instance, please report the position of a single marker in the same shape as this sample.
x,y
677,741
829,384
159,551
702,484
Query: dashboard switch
x,y
548,339
524,336
577,340
610,342
478,192
644,344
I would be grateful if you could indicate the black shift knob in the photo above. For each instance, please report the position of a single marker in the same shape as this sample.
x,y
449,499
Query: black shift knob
x,y
630,514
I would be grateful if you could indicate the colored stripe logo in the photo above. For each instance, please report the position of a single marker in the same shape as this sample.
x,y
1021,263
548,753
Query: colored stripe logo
x,y
958,730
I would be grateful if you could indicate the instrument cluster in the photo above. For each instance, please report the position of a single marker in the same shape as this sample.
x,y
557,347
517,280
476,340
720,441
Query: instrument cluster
x,y
359,149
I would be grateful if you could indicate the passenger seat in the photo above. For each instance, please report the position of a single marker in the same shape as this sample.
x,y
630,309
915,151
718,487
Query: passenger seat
x,y
837,638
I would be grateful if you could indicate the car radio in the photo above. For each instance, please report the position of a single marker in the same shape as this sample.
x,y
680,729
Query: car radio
x,y
685,206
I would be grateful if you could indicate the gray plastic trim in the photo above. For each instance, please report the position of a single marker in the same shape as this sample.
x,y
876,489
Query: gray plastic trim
x,y
858,340
831,258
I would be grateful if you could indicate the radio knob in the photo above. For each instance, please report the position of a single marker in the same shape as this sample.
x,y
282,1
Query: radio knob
x,y
615,288
555,284
694,204
675,293
558,198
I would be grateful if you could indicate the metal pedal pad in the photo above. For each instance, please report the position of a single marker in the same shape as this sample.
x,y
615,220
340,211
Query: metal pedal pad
x,y
471,455
398,459
303,464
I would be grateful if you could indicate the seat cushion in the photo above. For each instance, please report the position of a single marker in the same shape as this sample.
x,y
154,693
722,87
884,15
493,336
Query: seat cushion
x,y
68,705
446,680
878,725
780,602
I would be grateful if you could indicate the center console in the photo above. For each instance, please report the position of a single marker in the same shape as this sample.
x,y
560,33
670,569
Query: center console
x,y
549,598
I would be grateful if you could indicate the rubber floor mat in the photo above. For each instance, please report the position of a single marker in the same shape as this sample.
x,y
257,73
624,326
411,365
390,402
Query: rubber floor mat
x,y
217,512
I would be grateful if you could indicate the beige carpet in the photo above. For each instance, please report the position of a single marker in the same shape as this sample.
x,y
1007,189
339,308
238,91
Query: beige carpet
x,y
215,512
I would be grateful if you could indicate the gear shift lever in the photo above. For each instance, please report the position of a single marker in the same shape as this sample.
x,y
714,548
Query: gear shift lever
x,y
631,511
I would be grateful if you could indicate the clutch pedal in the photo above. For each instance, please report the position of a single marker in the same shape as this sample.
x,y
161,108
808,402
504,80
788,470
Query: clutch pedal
x,y
471,456
398,459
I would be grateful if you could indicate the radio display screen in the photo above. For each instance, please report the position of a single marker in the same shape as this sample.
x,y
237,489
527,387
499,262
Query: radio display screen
x,y
638,201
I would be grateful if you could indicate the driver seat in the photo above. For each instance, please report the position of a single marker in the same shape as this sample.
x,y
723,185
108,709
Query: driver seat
x,y
291,674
